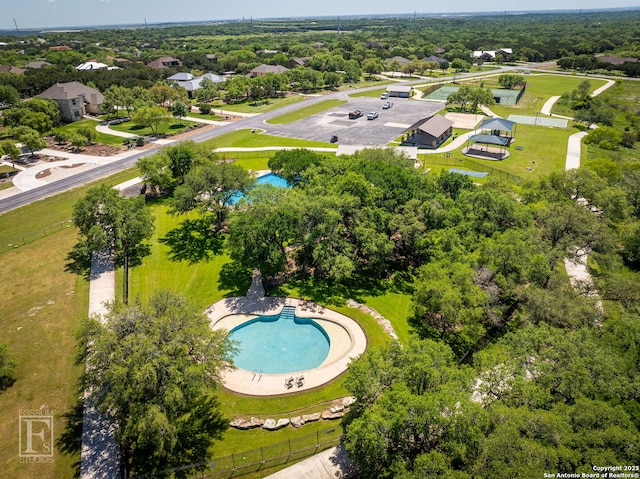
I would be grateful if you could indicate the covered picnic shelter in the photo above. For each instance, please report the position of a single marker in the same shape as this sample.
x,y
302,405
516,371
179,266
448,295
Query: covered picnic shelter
x,y
491,143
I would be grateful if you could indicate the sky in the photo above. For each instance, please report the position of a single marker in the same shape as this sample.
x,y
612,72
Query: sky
x,y
45,14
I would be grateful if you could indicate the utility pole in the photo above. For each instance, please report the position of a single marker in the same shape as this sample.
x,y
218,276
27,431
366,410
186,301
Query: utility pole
x,y
17,31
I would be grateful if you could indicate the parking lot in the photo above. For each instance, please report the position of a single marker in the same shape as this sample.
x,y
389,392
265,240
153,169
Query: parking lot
x,y
387,127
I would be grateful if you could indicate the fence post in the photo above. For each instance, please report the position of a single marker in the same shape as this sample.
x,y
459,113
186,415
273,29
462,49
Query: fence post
x,y
233,459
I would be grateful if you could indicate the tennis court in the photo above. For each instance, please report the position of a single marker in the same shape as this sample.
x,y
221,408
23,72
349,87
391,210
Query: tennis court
x,y
539,120
502,96
475,174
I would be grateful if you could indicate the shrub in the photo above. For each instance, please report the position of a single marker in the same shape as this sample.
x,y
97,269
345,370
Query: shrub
x,y
205,109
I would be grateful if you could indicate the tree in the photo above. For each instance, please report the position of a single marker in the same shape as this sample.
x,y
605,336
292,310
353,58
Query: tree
x,y
38,121
150,117
107,221
394,66
153,371
291,164
605,137
179,109
9,95
470,97
9,148
211,188
372,66
510,81
161,94
7,368
460,65
29,138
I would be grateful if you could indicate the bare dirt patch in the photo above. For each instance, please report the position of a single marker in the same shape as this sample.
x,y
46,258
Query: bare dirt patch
x,y
95,149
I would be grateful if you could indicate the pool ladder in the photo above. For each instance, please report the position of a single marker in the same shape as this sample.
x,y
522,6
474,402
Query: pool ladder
x,y
288,313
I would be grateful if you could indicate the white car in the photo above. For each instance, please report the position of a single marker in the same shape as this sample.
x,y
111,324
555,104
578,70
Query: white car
x,y
372,115
384,96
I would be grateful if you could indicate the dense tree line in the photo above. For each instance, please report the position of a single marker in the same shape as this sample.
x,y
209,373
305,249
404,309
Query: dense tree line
x,y
511,370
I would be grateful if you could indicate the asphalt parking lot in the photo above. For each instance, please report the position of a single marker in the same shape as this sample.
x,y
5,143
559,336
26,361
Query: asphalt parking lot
x,y
387,127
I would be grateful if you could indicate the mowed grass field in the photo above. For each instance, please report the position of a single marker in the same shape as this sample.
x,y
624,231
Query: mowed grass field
x,y
305,112
247,139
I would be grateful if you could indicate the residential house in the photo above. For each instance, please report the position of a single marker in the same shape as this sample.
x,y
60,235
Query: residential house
x,y
490,55
263,69
298,62
60,48
11,69
438,60
91,66
164,62
402,60
74,100
37,64
428,132
191,83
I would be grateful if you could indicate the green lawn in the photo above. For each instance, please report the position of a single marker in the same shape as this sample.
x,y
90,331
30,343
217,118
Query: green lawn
x,y
539,89
305,112
369,94
246,139
43,306
258,107
100,138
172,127
543,151
206,117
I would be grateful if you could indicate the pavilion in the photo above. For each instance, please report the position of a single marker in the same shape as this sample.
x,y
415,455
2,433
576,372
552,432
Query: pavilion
x,y
491,143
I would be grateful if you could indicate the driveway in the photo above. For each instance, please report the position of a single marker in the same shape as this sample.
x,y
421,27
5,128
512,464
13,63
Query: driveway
x,y
387,127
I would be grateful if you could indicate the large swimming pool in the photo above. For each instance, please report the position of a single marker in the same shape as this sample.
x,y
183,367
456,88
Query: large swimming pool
x,y
280,344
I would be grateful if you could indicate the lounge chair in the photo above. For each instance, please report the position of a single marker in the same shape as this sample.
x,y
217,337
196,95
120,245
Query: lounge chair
x,y
300,381
288,383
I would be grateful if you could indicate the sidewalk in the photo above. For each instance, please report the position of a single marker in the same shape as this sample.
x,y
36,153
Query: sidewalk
x,y
99,452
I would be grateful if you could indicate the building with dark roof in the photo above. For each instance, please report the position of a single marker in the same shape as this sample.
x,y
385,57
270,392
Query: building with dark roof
x,y
428,132
164,62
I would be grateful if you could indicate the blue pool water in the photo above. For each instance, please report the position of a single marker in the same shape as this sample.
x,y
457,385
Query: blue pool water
x,y
268,179
280,344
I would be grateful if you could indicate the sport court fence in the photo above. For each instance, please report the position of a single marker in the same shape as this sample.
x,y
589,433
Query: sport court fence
x,y
29,237
463,162
284,452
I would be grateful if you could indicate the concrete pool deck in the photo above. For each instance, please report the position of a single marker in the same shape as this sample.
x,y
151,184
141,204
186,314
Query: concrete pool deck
x,y
347,341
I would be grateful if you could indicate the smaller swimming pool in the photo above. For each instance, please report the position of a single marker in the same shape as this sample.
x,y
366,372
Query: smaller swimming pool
x,y
280,344
268,179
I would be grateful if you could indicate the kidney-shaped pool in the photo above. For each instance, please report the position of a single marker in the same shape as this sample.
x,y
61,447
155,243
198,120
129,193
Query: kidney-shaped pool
x,y
281,343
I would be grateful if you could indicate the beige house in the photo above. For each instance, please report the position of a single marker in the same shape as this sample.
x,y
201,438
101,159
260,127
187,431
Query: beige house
x,y
74,100
263,69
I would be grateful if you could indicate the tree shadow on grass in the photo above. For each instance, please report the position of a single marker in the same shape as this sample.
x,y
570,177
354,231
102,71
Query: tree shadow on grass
x,y
70,441
193,241
235,279
327,292
79,260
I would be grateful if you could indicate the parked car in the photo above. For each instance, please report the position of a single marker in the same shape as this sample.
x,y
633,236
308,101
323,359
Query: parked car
x,y
372,115
387,105
355,114
384,96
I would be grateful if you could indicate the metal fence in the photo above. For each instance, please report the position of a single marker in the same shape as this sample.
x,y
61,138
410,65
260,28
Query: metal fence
x,y
284,452
470,164
31,236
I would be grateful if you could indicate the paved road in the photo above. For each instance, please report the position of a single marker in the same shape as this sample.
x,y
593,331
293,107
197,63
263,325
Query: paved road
x,y
257,121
